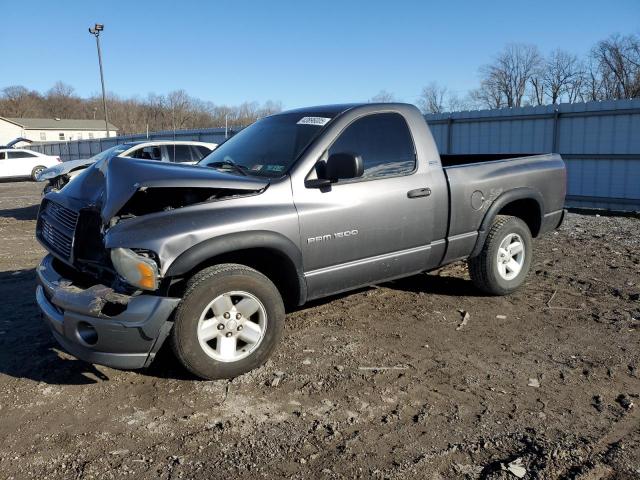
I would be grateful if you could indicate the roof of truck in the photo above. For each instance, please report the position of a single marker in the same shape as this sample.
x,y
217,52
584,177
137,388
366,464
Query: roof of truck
x,y
330,110
339,108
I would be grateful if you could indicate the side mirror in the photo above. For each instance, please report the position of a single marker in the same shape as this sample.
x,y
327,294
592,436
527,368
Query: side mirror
x,y
342,166
339,166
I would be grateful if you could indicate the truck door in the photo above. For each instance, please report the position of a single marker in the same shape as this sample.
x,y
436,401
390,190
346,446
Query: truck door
x,y
371,228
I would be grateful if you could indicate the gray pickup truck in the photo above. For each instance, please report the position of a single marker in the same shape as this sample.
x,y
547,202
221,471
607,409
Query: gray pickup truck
x,y
298,206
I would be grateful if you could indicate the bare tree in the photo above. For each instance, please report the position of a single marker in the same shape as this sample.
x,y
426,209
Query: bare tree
x,y
382,97
538,87
561,71
616,63
489,94
505,81
178,109
62,102
456,103
18,101
432,98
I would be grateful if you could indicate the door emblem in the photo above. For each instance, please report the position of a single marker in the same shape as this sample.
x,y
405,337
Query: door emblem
x,y
331,236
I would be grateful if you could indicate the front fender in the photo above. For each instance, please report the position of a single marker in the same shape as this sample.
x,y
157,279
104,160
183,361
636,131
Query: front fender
x,y
233,242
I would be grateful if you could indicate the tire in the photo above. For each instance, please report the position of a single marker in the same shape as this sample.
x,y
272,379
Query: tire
x,y
36,171
493,270
211,307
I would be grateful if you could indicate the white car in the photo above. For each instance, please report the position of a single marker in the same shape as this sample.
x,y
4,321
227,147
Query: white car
x,y
18,163
186,152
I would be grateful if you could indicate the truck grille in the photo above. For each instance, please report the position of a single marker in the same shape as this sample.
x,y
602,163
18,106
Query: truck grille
x,y
56,227
64,215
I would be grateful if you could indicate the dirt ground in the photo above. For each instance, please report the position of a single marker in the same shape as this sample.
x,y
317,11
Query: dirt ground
x,y
380,383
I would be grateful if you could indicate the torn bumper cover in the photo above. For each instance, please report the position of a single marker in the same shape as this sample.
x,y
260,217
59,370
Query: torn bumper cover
x,y
100,326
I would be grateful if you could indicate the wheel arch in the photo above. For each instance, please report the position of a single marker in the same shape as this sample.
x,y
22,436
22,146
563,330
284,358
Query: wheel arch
x,y
270,253
525,203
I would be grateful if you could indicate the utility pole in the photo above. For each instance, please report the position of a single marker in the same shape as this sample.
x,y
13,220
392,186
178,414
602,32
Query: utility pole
x,y
95,31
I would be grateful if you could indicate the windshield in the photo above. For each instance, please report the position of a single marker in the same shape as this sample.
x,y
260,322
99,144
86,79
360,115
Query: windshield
x,y
268,147
110,152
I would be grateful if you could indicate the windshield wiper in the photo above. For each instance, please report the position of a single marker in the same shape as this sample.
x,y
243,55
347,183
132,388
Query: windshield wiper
x,y
229,163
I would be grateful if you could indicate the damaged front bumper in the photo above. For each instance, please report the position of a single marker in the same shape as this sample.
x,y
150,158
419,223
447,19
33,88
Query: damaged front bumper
x,y
101,326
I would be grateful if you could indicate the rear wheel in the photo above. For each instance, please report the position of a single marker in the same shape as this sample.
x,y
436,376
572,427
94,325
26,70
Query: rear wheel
x,y
36,171
503,264
229,321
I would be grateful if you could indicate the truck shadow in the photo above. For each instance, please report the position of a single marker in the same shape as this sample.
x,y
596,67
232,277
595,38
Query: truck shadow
x,y
27,348
426,283
436,285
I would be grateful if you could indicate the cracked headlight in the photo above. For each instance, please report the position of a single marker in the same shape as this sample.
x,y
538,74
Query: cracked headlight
x,y
137,270
48,174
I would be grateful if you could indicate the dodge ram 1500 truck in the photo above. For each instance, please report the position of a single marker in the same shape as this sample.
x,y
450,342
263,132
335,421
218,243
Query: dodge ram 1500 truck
x,y
300,205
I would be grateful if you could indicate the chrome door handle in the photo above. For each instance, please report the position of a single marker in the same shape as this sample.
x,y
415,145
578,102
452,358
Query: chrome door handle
x,y
419,192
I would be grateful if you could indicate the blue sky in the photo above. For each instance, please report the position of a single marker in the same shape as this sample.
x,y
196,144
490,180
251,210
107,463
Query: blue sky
x,y
299,52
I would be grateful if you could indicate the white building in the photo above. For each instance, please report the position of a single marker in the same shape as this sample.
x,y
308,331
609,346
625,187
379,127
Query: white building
x,y
52,129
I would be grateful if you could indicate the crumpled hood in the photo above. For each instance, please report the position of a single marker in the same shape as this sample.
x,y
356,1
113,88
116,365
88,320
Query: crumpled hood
x,y
108,184
62,168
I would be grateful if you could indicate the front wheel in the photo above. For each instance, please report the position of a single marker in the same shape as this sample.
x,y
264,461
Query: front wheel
x,y
229,321
503,264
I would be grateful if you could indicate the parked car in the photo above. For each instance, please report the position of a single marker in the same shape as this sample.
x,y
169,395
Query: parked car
x,y
300,205
165,151
19,163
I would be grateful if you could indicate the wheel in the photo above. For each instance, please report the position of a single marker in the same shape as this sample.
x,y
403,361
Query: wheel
x,y
229,321
36,171
503,264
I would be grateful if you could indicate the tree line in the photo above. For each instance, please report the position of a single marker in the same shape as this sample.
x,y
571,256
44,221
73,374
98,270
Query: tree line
x,y
176,110
520,76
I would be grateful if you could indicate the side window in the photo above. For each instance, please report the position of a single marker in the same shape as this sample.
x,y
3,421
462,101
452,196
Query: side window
x,y
3,155
146,153
199,152
384,142
18,154
61,136
179,153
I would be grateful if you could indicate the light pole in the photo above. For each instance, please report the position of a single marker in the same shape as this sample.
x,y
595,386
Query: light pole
x,y
95,31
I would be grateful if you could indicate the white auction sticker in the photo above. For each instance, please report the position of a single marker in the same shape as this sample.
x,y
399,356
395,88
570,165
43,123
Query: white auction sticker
x,y
319,121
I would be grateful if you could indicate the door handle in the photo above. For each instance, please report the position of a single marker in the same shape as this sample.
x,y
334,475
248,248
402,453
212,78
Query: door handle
x,y
419,192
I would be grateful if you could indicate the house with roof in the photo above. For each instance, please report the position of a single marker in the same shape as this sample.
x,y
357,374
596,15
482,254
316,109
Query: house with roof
x,y
53,129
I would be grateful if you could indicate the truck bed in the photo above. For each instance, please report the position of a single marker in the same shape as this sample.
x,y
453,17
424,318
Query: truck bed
x,y
466,158
476,181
